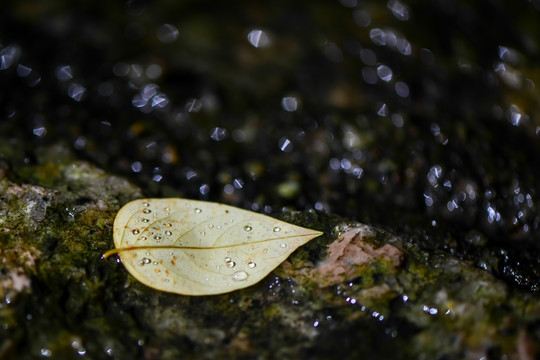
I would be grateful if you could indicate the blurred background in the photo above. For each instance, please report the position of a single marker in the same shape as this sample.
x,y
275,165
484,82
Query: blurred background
x,y
422,118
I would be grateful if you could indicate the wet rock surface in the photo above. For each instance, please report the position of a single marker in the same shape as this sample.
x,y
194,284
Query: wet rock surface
x,y
357,291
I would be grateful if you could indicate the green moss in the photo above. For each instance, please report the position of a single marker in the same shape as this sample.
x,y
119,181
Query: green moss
x,y
288,189
272,311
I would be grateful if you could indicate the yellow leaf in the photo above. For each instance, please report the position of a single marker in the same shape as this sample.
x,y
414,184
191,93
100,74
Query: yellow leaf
x,y
201,248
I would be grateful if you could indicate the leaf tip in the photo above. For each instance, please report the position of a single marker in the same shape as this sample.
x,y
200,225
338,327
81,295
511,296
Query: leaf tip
x,y
316,233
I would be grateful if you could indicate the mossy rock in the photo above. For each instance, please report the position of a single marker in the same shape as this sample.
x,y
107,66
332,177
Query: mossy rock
x,y
356,292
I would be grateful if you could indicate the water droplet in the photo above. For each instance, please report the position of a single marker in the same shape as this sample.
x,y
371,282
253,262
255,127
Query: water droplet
x,y
146,204
168,233
265,251
248,228
144,261
166,280
202,233
230,264
145,220
147,211
157,237
46,352
144,238
210,226
259,38
219,226
135,232
167,210
198,211
251,265
227,259
168,225
240,276
167,33
277,229
155,263
283,245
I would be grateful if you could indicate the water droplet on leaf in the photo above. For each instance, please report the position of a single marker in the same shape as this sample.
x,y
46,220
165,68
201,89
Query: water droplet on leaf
x,y
240,276
144,261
